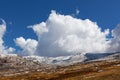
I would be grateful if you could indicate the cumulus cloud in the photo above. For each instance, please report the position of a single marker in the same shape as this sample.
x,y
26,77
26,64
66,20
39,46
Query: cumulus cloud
x,y
2,32
115,41
4,49
62,35
28,46
39,29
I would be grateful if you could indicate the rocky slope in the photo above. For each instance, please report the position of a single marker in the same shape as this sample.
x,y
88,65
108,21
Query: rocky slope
x,y
101,70
13,66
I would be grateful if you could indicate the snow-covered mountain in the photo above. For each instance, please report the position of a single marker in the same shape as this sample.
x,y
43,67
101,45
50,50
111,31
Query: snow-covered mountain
x,y
13,63
62,60
68,60
109,57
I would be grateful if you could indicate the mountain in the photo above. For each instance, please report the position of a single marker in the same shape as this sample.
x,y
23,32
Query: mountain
x,y
105,68
62,60
13,64
69,60
59,61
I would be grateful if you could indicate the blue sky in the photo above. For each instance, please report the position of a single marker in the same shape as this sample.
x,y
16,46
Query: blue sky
x,y
19,14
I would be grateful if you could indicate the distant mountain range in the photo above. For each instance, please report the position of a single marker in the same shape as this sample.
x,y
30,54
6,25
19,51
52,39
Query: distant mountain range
x,y
61,61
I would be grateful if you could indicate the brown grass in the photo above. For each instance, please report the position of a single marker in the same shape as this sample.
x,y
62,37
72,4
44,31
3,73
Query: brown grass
x,y
89,71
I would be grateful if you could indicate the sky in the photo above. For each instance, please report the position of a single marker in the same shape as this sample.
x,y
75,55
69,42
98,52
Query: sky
x,y
20,14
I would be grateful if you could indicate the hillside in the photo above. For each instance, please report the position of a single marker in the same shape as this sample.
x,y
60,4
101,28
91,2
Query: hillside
x,y
77,67
103,70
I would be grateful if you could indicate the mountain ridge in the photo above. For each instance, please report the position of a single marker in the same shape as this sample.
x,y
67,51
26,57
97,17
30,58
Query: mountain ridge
x,y
13,65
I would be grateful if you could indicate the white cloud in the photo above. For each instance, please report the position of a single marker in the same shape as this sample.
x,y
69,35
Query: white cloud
x,y
28,46
39,29
2,32
64,35
115,41
4,49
